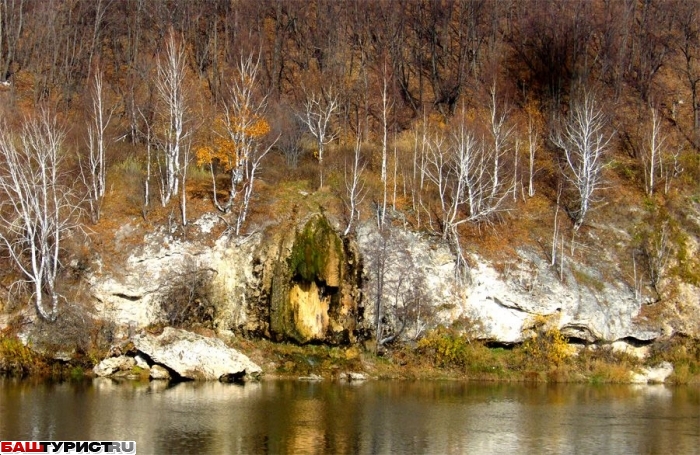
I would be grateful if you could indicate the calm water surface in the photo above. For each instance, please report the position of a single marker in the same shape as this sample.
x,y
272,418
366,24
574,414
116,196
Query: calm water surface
x,y
373,417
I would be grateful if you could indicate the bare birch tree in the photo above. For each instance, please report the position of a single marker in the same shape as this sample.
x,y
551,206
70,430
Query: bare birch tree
x,y
147,178
37,208
386,107
355,188
93,167
317,114
170,85
243,148
533,139
583,138
500,133
463,171
652,154
253,165
244,120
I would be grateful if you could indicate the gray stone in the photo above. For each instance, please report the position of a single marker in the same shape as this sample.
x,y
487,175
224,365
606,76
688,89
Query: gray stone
x,y
193,356
141,362
353,377
158,372
114,365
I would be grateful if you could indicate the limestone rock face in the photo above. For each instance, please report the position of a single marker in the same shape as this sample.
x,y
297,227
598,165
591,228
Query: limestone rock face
x,y
196,357
506,302
496,303
300,281
296,282
130,296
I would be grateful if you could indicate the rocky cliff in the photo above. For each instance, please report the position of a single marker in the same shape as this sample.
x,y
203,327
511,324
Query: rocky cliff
x,y
305,283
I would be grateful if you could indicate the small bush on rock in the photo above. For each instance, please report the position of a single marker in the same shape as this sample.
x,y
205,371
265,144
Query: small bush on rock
x,y
187,300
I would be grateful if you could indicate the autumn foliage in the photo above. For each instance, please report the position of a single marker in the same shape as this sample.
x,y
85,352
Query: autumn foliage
x,y
222,150
447,117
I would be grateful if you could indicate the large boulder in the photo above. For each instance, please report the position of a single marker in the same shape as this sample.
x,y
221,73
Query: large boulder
x,y
114,366
196,357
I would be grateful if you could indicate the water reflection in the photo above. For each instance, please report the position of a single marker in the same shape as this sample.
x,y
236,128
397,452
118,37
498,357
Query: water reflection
x,y
374,417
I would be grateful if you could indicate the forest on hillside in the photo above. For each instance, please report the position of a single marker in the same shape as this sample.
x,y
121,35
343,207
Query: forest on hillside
x,y
454,116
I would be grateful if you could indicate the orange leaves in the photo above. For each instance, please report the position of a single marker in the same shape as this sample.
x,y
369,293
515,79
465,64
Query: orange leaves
x,y
231,144
220,149
257,128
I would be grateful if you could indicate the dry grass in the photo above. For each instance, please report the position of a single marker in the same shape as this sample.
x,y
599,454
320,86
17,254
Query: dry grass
x,y
463,361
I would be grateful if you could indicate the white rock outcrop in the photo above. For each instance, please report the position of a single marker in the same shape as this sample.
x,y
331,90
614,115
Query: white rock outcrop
x,y
130,297
196,357
501,300
652,375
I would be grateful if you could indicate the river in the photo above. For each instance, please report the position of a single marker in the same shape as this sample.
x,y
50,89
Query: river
x,y
289,417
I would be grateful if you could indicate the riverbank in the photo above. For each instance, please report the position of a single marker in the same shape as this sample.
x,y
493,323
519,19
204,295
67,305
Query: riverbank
x,y
441,354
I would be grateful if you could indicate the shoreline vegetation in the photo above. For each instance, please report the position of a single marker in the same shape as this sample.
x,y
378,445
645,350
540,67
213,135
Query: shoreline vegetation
x,y
444,354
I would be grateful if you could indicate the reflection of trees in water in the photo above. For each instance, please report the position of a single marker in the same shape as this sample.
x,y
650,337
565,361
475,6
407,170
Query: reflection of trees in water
x,y
289,417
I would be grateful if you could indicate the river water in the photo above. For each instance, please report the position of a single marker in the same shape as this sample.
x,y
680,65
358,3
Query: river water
x,y
288,417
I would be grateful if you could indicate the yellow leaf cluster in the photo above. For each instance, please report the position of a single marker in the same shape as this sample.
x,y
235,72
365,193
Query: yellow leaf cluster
x,y
549,346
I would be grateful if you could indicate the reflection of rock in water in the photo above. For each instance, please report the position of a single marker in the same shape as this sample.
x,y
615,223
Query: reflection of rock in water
x,y
306,435
658,391
379,417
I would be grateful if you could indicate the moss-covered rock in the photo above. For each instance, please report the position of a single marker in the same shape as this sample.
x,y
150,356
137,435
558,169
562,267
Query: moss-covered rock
x,y
317,254
314,288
